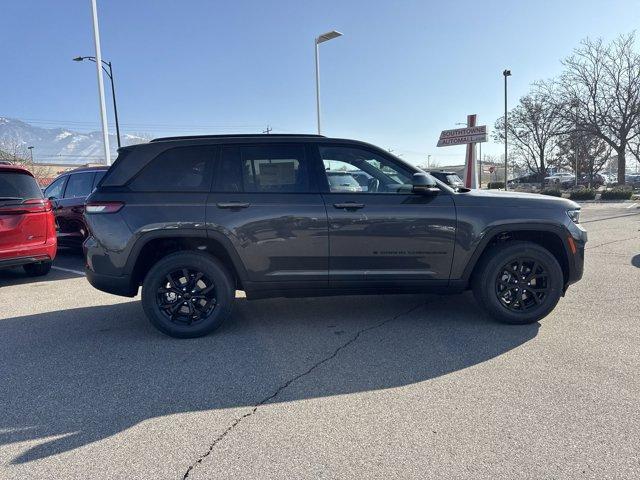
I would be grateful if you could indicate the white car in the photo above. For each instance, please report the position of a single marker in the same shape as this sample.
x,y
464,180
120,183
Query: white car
x,y
560,179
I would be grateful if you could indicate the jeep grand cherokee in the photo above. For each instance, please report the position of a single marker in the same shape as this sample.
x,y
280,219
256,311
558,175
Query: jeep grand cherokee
x,y
192,219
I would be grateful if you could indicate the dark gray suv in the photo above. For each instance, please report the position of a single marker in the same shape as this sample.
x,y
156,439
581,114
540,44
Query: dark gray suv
x,y
192,219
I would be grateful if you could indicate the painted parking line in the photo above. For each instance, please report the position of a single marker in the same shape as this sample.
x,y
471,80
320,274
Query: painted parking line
x,y
632,205
68,270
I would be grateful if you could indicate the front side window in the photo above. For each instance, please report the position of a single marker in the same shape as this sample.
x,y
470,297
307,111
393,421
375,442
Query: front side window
x,y
56,188
352,170
176,170
274,168
79,185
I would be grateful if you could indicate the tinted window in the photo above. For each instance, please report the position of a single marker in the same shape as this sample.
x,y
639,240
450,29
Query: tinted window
x,y
56,189
79,185
372,172
18,186
97,178
274,168
177,169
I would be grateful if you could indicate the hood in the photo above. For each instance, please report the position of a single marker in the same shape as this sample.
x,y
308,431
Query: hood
x,y
513,199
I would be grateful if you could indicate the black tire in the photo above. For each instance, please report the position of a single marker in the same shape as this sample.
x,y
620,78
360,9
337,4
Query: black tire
x,y
37,269
496,288
162,282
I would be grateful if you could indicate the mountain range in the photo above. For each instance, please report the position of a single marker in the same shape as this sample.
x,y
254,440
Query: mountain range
x,y
58,145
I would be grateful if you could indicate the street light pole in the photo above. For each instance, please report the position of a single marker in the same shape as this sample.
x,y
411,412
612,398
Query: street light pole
x,y
103,109
113,90
31,152
505,73
325,37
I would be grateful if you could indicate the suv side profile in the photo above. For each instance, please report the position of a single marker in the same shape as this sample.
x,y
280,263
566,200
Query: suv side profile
x,y
67,194
192,219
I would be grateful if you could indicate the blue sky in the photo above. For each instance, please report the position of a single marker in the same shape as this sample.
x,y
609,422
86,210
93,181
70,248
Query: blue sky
x,y
403,71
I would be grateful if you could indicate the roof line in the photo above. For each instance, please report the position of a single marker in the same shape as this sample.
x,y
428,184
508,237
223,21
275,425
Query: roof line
x,y
236,135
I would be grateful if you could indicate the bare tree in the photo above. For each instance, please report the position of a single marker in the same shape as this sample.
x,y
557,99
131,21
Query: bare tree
x,y
600,91
586,152
18,154
533,129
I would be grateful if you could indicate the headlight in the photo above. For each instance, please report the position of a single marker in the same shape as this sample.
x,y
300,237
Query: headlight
x,y
574,215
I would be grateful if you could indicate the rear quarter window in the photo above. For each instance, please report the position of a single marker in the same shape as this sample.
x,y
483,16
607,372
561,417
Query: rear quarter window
x,y
176,170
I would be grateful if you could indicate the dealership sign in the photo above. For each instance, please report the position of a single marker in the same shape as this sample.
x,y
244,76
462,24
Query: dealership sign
x,y
461,136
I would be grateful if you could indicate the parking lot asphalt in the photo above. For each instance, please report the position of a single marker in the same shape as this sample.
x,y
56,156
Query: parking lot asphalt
x,y
411,386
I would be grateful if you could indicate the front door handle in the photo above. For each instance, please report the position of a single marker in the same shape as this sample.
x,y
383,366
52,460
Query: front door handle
x,y
233,204
349,205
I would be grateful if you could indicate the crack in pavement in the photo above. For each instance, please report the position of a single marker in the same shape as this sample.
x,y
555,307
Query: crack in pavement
x,y
609,243
610,218
282,387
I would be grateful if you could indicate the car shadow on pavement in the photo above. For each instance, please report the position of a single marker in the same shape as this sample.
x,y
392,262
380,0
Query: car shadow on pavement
x,y
85,374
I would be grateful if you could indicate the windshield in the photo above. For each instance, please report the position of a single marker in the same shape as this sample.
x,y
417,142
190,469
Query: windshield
x,y
15,186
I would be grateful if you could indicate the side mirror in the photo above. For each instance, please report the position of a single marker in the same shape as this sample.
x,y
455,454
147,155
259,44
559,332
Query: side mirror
x,y
424,184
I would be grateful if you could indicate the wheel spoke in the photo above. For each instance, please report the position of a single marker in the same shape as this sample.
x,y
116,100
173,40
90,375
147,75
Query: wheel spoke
x,y
172,281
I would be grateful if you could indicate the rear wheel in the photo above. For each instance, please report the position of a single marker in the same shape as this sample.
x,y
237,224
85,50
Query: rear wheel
x,y
37,269
518,282
187,294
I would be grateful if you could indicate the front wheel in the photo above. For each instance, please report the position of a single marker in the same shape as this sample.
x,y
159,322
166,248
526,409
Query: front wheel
x,y
518,283
187,294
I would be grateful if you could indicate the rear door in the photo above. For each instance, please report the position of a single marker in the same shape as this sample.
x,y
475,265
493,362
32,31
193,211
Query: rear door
x,y
23,216
266,200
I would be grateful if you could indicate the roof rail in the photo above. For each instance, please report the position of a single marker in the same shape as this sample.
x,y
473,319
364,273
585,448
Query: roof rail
x,y
235,135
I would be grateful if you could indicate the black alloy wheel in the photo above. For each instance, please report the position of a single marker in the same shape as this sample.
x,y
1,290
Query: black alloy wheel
x,y
187,296
521,284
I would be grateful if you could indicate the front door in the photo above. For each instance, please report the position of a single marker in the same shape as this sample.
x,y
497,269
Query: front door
x,y
266,200
379,231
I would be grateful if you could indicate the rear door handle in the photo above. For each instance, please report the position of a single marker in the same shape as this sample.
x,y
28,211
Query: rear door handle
x,y
233,204
349,205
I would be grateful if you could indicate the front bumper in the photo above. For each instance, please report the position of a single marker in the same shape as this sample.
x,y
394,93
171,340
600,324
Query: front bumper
x,y
576,242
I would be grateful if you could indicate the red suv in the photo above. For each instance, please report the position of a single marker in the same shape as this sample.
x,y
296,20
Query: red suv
x,y
27,224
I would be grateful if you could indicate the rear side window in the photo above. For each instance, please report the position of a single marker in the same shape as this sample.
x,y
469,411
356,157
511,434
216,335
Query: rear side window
x,y
79,185
263,168
274,168
18,186
176,170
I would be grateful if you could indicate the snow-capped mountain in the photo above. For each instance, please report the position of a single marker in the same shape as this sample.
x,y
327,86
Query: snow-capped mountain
x,y
58,145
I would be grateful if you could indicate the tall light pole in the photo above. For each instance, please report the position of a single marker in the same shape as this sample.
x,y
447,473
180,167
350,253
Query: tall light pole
x,y
506,73
113,89
325,37
103,109
31,152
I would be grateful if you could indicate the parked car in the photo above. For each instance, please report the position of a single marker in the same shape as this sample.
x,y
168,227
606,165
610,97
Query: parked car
x,y
450,178
597,181
561,180
343,182
68,193
27,226
532,178
633,180
192,219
